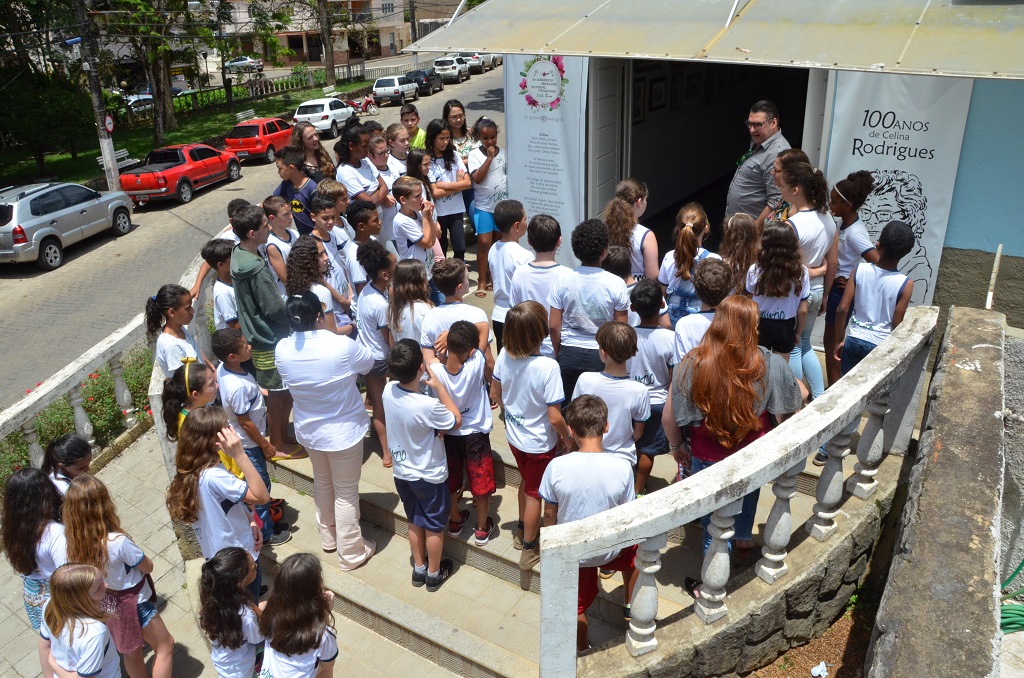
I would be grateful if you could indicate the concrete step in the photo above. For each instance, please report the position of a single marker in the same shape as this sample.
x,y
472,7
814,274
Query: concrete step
x,y
475,625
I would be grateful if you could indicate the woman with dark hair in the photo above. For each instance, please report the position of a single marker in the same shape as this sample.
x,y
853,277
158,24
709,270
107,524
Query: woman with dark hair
x,y
320,369
778,209
463,140
448,178
317,163
355,171
724,395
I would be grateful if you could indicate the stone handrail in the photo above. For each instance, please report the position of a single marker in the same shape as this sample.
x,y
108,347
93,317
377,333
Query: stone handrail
x,y
887,384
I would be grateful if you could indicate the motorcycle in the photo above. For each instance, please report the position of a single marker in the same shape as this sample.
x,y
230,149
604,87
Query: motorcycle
x,y
366,106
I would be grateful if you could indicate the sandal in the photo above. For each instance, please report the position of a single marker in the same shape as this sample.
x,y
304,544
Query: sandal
x,y
691,584
481,293
297,454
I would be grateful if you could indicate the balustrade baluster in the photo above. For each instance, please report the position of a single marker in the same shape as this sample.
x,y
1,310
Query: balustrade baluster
x,y
869,450
644,608
779,527
122,393
715,571
829,490
35,450
83,426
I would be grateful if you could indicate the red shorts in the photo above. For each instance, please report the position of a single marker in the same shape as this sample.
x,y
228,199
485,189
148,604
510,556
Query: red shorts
x,y
531,468
588,577
471,452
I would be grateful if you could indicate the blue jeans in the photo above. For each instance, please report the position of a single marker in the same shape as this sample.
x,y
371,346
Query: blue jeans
x,y
255,455
803,360
574,361
257,583
854,350
744,525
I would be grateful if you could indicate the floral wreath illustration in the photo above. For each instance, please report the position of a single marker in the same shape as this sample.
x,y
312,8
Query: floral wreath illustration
x,y
524,90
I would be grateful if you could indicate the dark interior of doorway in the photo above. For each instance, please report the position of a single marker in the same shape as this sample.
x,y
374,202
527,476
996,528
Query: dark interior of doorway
x,y
688,132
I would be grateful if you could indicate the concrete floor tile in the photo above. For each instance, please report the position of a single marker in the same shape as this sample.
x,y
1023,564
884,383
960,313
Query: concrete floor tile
x,y
515,636
354,668
501,596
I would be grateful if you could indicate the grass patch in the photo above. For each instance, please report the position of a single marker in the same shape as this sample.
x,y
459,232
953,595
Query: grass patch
x,y
98,391
17,166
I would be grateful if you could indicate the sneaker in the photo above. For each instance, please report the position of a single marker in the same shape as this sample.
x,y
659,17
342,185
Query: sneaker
x,y
820,458
276,514
455,528
278,539
434,582
276,503
529,558
419,578
483,536
280,527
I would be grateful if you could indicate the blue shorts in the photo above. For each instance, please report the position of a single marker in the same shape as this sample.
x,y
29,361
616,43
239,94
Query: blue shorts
x,y
483,222
653,442
835,295
35,593
426,504
147,611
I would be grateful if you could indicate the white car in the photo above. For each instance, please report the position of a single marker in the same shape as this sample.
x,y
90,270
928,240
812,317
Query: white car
x,y
395,89
327,115
244,64
454,69
479,61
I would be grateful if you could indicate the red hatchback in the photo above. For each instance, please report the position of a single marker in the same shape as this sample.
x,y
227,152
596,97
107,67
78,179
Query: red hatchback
x,y
258,138
177,171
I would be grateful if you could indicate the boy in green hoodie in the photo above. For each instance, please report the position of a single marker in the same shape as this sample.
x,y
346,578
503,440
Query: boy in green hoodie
x,y
261,314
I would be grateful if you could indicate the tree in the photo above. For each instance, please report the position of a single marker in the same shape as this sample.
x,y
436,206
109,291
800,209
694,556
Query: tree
x,y
29,28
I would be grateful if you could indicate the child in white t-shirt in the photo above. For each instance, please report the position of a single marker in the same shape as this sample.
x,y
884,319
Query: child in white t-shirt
x,y
780,286
217,253
469,447
420,464
712,281
528,386
324,211
281,238
409,301
535,280
630,401
506,256
168,315
451,276
486,166
651,366
677,268
581,484
374,334
388,173
228,615
619,263
415,229
81,645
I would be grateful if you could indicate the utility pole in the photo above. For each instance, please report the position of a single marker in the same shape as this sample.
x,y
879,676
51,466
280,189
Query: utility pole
x,y
90,50
412,20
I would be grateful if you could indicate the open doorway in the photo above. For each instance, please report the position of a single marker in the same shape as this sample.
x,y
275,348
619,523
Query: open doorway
x,y
687,132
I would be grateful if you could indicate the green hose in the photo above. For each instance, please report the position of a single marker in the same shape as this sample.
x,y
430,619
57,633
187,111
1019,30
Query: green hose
x,y
1011,617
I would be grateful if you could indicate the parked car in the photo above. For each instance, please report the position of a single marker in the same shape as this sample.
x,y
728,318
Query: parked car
x,y
38,221
258,138
451,70
147,89
429,80
478,61
177,171
139,103
395,90
244,64
327,115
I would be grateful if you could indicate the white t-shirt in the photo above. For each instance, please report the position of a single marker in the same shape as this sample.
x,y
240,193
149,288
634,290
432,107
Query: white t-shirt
x,y
653,362
690,330
588,297
123,558
451,204
387,214
90,652
356,273
469,394
240,662
284,247
439,319
627,401
528,387
398,166
874,305
362,179
320,369
278,665
223,518
636,252
503,260
335,248
240,394
170,350
584,484
224,307
632,317
681,294
411,321
494,188
62,483
325,297
414,421
778,308
51,551
408,234
854,243
534,282
815,231
373,316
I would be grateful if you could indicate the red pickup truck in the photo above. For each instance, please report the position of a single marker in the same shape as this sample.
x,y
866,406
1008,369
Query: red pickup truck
x,y
177,171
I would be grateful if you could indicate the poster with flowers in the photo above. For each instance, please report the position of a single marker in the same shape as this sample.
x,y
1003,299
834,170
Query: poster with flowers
x,y
546,127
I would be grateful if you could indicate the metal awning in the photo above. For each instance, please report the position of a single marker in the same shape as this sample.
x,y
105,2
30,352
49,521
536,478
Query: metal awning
x,y
972,38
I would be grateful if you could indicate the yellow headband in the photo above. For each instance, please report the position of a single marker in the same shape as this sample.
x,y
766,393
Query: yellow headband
x,y
186,362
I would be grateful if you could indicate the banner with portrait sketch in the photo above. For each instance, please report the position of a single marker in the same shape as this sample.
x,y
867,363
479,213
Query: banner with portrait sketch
x,y
545,120
907,130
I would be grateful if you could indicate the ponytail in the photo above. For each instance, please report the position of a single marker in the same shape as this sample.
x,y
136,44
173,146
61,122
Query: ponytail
x,y
810,180
618,215
157,306
178,387
856,188
690,221
631,190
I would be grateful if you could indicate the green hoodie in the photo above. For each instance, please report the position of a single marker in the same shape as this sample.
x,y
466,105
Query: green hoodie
x,y
261,311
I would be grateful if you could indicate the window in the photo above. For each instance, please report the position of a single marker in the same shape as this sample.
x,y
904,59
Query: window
x,y
388,8
47,203
76,195
202,153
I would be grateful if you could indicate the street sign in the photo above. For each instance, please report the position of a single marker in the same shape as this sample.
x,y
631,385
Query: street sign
x,y
108,123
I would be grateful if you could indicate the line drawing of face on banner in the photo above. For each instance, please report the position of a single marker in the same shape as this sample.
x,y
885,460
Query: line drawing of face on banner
x,y
899,195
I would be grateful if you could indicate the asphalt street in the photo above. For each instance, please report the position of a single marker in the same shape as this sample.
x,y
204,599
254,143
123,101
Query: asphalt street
x,y
49,319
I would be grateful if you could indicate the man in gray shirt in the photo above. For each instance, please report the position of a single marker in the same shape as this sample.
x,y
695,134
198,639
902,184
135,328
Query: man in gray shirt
x,y
753,186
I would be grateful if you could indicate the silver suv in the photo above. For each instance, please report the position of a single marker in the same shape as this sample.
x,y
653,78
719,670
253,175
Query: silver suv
x,y
38,221
395,90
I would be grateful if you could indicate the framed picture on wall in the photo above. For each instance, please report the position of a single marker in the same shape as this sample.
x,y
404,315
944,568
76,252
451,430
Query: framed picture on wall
x,y
659,94
678,91
639,103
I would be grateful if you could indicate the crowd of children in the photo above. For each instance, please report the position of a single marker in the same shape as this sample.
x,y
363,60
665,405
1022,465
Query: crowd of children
x,y
340,283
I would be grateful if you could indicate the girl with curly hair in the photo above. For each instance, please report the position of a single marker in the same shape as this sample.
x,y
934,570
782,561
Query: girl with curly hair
x,y
228,615
741,241
622,215
780,286
309,268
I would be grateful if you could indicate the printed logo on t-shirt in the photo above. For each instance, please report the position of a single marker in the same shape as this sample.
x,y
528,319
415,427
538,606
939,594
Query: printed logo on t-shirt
x,y
297,206
645,379
517,420
399,456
